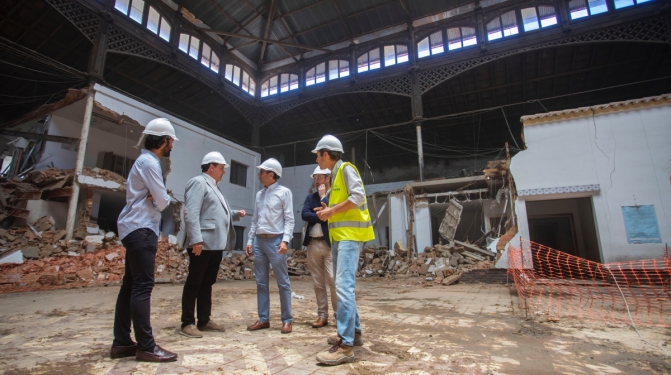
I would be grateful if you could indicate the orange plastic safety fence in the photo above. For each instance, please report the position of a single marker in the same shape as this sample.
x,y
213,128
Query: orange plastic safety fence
x,y
551,282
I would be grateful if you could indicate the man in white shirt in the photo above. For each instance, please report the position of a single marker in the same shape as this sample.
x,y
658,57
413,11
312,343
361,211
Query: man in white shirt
x,y
146,197
209,226
269,236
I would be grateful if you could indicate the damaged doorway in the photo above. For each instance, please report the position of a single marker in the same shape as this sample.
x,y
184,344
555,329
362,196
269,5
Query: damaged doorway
x,y
106,212
565,224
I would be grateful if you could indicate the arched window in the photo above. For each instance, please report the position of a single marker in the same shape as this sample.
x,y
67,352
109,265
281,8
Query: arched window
x,y
240,78
189,44
537,17
316,75
131,8
584,8
209,58
287,82
158,24
395,54
369,61
619,4
337,69
502,26
458,37
431,45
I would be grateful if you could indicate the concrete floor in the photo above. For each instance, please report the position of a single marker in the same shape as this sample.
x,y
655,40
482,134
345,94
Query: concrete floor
x,y
409,328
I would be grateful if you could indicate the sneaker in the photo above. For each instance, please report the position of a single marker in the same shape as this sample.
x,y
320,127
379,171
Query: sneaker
x,y
190,331
358,340
212,326
337,354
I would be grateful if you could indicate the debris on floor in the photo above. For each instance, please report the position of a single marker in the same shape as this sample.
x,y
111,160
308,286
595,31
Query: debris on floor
x,y
442,264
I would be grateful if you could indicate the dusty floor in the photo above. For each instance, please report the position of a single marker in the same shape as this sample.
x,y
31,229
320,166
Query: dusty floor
x,y
408,329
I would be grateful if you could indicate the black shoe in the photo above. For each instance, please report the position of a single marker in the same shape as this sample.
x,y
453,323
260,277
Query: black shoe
x,y
123,351
157,355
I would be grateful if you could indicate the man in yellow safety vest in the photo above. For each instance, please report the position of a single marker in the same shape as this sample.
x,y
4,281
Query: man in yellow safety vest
x,y
349,228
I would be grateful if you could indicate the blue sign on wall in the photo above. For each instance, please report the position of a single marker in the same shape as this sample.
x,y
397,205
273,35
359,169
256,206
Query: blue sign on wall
x,y
641,224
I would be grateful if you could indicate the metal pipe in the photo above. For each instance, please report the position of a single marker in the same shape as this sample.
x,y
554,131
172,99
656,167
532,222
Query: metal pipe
x,y
420,152
79,166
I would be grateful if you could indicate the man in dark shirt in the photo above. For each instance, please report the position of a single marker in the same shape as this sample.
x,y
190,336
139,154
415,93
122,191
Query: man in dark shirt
x,y
319,246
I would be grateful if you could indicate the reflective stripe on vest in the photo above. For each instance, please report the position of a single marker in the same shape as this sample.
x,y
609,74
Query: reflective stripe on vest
x,y
352,224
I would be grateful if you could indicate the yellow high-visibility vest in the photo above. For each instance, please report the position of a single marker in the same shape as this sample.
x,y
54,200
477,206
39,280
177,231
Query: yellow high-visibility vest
x,y
351,225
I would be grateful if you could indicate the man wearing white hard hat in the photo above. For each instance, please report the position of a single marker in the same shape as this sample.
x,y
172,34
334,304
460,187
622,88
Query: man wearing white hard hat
x,y
209,227
269,236
349,228
146,197
319,246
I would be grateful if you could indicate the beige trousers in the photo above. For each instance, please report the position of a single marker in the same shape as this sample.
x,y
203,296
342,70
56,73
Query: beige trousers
x,y
321,269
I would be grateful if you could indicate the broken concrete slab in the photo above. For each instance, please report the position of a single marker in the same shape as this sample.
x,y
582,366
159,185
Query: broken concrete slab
x,y
43,223
31,252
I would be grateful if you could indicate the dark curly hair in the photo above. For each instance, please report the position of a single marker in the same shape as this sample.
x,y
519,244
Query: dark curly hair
x,y
152,142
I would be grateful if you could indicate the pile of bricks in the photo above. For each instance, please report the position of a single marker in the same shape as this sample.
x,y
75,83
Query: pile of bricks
x,y
441,264
75,270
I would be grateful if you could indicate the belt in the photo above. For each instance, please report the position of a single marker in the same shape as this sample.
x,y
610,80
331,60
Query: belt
x,y
267,235
322,238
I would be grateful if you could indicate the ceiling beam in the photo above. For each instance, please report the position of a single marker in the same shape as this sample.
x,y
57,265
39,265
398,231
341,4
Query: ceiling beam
x,y
220,32
266,33
244,25
346,25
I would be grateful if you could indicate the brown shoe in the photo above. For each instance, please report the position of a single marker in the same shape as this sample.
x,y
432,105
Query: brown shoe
x,y
157,355
286,328
321,322
190,331
358,339
123,351
337,354
212,326
258,325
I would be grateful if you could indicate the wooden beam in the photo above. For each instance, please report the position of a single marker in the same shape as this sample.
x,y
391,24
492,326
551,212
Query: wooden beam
x,y
40,137
266,33
57,193
271,41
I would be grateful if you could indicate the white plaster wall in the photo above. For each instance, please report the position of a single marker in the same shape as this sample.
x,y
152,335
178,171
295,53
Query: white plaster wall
x,y
64,156
626,153
186,155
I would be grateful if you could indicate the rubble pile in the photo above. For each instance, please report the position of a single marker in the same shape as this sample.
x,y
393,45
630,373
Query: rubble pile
x,y
102,266
442,264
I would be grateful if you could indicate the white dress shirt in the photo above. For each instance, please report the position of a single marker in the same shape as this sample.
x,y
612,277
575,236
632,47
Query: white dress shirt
x,y
217,191
273,213
145,178
352,181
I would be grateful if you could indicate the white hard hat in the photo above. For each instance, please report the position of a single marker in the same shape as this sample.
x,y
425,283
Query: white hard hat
x,y
320,171
157,126
214,157
328,142
160,126
271,165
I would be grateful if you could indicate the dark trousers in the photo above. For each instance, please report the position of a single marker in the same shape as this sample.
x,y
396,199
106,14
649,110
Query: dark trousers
x,y
203,271
134,300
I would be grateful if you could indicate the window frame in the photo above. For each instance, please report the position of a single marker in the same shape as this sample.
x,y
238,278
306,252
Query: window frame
x,y
204,44
278,88
238,166
314,80
251,83
188,45
162,19
143,16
